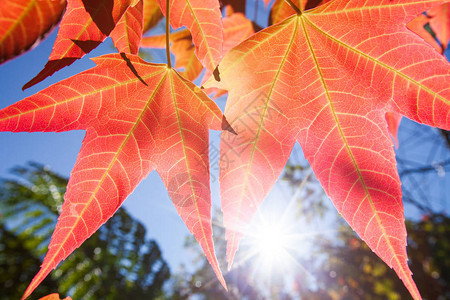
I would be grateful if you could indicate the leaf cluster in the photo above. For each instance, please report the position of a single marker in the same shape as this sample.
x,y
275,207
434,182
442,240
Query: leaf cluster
x,y
335,76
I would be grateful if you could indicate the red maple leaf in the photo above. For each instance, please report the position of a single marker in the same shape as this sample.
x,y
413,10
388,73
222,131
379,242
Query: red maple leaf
x,y
24,22
438,18
135,114
152,14
85,24
204,20
127,33
334,78
326,78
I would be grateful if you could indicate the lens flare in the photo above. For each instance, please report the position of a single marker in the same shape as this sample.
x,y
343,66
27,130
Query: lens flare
x,y
271,242
269,245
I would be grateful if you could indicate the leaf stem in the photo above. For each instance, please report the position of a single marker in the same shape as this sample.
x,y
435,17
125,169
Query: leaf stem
x,y
294,7
169,64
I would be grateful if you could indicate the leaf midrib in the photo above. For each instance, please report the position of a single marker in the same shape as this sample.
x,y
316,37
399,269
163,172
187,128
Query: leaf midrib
x,y
381,64
191,185
208,48
347,147
106,173
25,12
260,126
359,9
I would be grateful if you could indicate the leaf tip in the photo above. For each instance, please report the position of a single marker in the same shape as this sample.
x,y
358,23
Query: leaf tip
x,y
230,258
38,278
50,68
229,267
29,84
223,282
26,294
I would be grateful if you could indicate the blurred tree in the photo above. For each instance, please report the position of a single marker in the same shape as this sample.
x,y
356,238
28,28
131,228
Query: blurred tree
x,y
17,267
353,271
203,284
115,263
342,266
350,270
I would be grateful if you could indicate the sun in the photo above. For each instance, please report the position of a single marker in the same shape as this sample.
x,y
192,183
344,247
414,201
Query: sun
x,y
269,245
279,241
271,242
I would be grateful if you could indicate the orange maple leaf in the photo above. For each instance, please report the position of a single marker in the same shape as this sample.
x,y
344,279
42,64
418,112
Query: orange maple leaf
x,y
135,114
85,24
24,22
326,78
204,20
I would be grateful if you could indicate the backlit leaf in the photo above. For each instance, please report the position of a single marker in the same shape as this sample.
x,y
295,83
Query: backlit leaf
x,y
138,117
183,50
281,9
236,28
326,79
204,20
54,296
24,22
86,23
128,31
438,20
152,14
440,23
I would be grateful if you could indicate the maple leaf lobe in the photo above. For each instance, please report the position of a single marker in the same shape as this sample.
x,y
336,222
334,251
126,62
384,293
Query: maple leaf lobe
x,y
204,20
24,23
331,76
134,113
85,24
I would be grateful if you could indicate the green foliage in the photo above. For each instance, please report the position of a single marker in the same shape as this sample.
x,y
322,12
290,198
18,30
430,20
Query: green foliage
x,y
341,266
202,284
353,271
17,267
115,263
